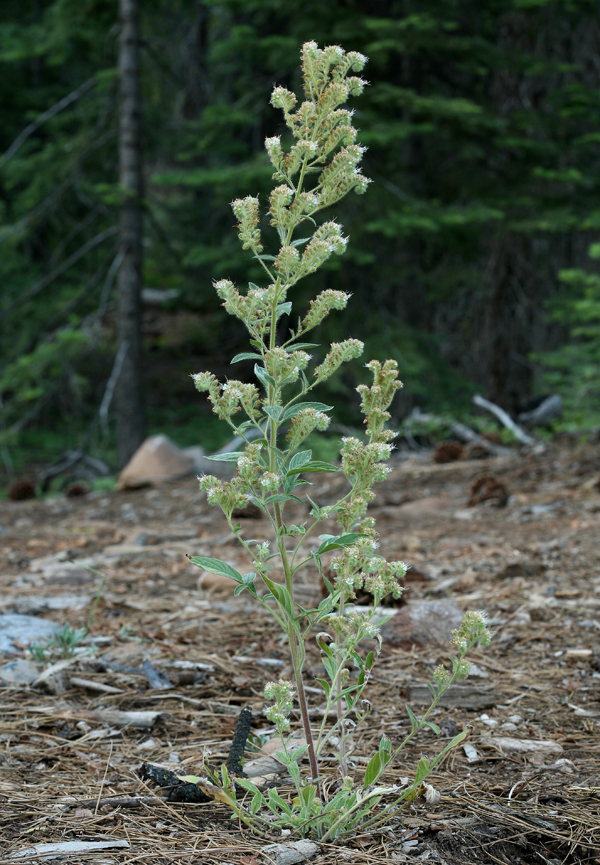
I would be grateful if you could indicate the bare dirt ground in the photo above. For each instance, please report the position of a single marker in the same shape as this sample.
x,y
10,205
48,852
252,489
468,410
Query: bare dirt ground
x,y
69,763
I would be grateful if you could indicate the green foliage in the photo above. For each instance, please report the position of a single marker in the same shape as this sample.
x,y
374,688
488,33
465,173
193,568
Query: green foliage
x,y
316,170
573,370
482,132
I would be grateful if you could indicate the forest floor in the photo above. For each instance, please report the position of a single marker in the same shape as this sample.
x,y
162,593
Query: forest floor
x,y
69,764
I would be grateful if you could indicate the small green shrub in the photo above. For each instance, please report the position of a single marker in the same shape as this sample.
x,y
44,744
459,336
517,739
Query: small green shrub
x,y
320,168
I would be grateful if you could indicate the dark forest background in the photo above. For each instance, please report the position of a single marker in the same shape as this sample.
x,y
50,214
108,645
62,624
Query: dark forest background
x,y
472,258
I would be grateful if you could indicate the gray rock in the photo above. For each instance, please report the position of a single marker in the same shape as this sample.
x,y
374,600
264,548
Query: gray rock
x,y
423,622
290,854
18,672
23,629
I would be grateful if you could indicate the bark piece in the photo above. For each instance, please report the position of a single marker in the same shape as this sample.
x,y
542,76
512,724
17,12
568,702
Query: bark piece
x,y
463,695
487,488
448,451
522,568
68,848
158,459
522,746
422,623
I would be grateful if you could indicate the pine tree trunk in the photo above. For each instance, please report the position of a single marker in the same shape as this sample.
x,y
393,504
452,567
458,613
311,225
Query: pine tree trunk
x,y
131,420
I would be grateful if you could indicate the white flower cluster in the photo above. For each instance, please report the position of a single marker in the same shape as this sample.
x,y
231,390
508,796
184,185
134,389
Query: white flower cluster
x,y
283,695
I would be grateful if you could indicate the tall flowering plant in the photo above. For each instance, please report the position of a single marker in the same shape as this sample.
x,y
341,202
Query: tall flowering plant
x,y
274,419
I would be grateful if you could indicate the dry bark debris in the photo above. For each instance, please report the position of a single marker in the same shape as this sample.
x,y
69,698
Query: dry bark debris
x,y
74,759
487,488
448,451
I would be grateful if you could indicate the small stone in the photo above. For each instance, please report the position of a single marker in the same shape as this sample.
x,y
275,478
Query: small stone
x,y
158,459
449,728
18,672
290,854
24,630
422,623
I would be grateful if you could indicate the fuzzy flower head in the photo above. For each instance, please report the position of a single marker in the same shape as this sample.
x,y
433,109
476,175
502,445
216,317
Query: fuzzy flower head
x,y
322,305
473,629
304,423
282,694
339,353
248,215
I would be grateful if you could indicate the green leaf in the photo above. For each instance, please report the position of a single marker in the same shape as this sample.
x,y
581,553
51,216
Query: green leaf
x,y
373,770
281,497
317,559
216,566
265,257
246,355
247,784
284,308
300,241
338,542
294,771
257,802
275,801
300,459
385,746
369,660
248,583
274,411
325,685
433,727
281,595
293,410
301,345
314,466
230,457
263,376
413,719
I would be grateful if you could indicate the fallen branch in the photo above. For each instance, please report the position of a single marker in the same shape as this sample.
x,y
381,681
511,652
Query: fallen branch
x,y
504,419
462,432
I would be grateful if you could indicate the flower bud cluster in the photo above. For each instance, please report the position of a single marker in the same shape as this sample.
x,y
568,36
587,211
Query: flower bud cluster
x,y
282,694
285,366
284,99
287,213
248,214
227,399
339,353
473,629
385,581
286,263
361,463
254,309
262,551
342,175
304,423
228,496
270,482
326,240
322,305
350,565
352,628
249,465
376,399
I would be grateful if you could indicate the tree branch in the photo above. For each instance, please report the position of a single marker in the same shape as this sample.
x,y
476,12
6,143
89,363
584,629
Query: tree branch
x,y
47,280
46,115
